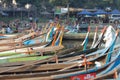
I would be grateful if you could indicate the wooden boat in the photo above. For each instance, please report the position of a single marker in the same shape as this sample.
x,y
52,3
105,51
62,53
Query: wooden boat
x,y
22,44
58,53
91,72
63,60
75,54
26,33
19,38
9,36
48,59
78,53
56,45
7,53
63,72
58,57
113,74
38,72
84,51
74,59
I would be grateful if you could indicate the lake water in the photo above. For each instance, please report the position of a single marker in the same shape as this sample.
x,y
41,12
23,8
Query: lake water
x,y
74,43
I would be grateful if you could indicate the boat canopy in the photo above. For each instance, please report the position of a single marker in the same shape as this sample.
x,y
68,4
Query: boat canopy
x,y
115,11
100,11
85,12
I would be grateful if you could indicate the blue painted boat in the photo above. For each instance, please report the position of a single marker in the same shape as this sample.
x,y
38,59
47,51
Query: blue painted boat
x,y
98,71
49,37
3,37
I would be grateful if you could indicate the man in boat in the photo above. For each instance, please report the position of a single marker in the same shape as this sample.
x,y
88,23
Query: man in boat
x,y
8,29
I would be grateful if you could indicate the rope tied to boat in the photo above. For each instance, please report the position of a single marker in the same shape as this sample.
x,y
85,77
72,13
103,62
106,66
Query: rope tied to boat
x,y
29,50
85,62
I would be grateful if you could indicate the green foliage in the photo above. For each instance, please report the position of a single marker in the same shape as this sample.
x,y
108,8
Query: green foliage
x,y
73,3
87,3
49,4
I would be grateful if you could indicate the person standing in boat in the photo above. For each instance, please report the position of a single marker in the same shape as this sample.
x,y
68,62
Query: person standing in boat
x,y
8,29
30,18
77,26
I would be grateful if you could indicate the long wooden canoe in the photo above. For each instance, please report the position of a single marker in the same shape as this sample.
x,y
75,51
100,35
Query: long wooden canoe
x,y
57,75
62,69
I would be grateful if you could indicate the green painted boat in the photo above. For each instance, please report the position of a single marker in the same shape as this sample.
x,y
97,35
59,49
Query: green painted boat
x,y
21,58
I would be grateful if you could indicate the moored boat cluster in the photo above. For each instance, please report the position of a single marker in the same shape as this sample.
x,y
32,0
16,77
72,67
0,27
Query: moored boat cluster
x,y
42,55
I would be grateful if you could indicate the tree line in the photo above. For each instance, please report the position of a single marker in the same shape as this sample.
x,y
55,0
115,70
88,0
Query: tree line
x,y
50,4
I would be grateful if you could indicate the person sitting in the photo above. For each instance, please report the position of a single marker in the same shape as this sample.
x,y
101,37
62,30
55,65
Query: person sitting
x,y
3,30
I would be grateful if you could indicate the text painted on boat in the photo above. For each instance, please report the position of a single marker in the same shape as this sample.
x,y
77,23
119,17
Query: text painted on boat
x,y
84,76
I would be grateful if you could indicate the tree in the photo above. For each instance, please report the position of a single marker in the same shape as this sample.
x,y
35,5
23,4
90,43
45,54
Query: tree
x,y
59,2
